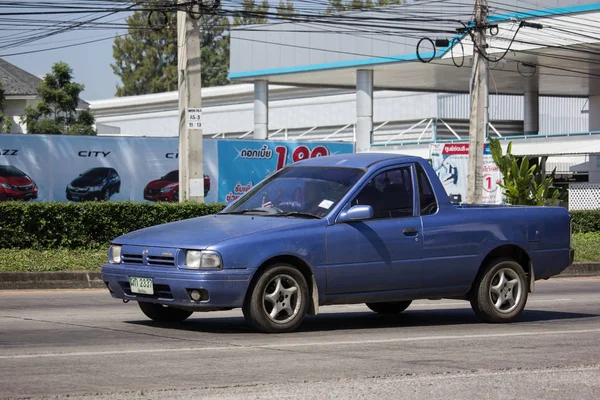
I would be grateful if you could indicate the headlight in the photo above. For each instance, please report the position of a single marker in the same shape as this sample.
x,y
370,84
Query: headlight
x,y
202,259
7,186
95,188
114,255
167,189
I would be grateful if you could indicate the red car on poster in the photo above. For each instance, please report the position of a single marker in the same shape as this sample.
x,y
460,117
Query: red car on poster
x,y
167,188
16,184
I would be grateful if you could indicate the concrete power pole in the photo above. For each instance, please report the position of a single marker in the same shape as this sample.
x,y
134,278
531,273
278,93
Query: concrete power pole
x,y
479,102
191,176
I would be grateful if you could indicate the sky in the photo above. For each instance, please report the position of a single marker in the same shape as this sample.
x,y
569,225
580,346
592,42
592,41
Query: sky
x,y
90,62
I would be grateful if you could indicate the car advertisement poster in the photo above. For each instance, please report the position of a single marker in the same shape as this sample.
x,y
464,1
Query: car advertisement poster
x,y
451,163
242,164
82,168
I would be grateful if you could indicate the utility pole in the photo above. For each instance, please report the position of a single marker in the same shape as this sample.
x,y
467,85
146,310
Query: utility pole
x,y
191,176
478,122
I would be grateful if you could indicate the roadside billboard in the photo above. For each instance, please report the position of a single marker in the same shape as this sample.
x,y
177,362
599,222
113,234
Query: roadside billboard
x,y
79,168
451,164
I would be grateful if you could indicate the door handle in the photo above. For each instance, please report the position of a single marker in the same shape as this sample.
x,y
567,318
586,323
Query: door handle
x,y
410,231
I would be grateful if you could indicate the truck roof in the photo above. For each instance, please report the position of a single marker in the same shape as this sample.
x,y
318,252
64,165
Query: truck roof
x,y
355,160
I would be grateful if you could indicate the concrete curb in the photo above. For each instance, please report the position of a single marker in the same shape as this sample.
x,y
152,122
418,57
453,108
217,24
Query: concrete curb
x,y
51,280
580,269
93,280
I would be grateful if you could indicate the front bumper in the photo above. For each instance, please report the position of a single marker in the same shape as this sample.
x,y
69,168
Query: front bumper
x,y
226,288
17,195
84,196
166,196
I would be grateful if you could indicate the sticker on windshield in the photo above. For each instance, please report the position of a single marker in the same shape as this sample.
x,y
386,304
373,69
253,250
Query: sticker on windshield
x,y
326,204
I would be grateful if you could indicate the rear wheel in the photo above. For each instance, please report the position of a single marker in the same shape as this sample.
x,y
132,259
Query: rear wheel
x,y
106,195
278,301
395,307
500,293
161,313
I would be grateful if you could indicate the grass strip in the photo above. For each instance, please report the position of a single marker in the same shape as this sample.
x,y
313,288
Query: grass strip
x,y
587,249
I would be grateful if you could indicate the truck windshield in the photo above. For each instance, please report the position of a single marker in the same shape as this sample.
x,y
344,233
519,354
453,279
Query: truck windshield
x,y
299,191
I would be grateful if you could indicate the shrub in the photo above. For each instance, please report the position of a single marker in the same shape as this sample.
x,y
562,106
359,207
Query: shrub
x,y
586,221
85,225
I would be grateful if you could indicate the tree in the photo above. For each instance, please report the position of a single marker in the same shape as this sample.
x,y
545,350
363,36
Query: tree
x,y
252,13
56,112
5,120
146,58
524,183
336,6
285,9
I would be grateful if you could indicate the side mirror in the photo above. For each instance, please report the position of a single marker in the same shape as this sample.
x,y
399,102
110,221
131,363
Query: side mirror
x,y
356,213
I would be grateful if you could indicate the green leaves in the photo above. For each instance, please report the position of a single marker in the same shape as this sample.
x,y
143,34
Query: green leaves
x,y
252,13
523,183
341,5
146,58
5,120
85,225
56,113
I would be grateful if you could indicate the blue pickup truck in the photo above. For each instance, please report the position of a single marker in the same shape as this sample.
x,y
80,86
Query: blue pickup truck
x,y
355,228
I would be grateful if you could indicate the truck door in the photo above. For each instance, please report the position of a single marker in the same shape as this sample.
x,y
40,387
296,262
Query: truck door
x,y
385,252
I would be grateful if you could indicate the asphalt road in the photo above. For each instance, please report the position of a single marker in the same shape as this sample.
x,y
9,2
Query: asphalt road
x,y
85,344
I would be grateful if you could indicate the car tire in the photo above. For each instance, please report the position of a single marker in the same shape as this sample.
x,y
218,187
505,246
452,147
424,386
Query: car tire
x,y
395,307
175,197
500,291
106,195
160,313
278,300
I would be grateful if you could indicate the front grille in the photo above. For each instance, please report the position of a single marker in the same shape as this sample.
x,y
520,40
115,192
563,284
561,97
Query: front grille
x,y
153,191
150,256
160,291
161,260
132,258
25,187
79,190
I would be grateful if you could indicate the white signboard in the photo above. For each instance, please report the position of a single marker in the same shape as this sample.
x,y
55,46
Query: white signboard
x,y
451,163
194,118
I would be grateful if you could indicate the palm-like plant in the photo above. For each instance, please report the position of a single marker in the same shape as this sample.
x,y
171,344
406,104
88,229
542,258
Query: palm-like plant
x,y
523,183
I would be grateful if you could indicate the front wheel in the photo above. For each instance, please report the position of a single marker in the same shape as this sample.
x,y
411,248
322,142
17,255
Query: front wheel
x,y
278,301
158,312
395,307
500,293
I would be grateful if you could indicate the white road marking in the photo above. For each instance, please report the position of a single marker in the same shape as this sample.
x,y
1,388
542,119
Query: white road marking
x,y
466,303
300,344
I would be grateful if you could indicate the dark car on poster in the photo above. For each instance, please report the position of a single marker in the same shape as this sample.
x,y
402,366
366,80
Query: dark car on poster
x,y
98,183
16,184
166,188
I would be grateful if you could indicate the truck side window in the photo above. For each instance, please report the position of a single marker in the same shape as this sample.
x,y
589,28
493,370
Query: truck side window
x,y
390,193
427,200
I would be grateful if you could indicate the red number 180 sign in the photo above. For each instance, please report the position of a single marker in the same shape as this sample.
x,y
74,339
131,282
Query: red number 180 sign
x,y
300,153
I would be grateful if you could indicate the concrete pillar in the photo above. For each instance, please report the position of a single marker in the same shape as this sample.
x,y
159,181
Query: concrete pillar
x,y
261,109
364,110
531,112
594,126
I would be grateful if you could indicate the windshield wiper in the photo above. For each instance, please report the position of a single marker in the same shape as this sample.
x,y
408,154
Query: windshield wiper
x,y
297,214
257,210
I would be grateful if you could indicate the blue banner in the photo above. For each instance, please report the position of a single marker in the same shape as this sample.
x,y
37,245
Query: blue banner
x,y
244,163
83,168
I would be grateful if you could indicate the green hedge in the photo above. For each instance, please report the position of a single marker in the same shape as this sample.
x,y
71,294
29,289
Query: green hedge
x,y
94,225
85,225
586,221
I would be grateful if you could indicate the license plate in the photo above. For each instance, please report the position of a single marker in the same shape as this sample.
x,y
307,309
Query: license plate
x,y
76,197
141,285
